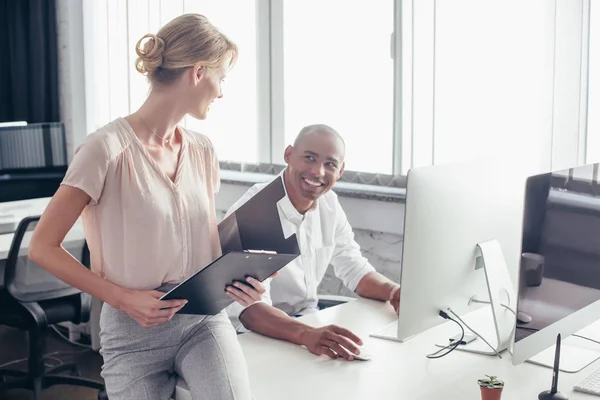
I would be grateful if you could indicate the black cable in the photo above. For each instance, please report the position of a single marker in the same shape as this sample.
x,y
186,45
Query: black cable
x,y
451,346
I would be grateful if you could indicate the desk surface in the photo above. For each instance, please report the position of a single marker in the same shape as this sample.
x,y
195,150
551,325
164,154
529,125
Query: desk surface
x,y
20,209
280,370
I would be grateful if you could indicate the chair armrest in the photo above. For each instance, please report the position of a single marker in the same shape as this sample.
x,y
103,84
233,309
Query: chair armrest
x,y
86,307
330,300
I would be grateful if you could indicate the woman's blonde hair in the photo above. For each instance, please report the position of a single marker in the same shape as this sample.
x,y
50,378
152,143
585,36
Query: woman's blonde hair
x,y
186,41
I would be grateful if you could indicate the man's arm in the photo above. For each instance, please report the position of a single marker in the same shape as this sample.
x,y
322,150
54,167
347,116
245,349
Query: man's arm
x,y
261,317
377,287
330,340
355,270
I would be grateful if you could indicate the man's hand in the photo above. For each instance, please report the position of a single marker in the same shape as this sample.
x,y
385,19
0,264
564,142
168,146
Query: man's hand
x,y
332,341
246,294
395,299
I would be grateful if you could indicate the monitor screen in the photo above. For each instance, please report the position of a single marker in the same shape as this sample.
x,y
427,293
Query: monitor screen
x,y
560,260
33,160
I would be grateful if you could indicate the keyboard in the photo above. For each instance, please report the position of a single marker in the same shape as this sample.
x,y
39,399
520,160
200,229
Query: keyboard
x,y
388,332
589,384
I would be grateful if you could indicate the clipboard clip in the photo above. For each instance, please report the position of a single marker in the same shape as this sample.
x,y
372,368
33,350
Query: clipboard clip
x,y
260,251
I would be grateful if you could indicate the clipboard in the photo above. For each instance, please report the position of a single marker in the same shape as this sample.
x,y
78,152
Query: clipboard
x,y
205,290
257,224
254,225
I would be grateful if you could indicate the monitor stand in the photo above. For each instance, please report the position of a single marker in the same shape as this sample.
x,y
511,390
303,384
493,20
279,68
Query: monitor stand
x,y
495,323
574,356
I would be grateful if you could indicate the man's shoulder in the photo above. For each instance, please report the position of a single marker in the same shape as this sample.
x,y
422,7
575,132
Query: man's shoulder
x,y
329,200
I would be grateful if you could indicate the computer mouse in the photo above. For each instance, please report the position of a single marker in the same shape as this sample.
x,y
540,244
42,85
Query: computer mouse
x,y
523,318
364,355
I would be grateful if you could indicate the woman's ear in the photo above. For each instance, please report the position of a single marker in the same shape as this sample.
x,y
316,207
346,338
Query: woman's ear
x,y
198,73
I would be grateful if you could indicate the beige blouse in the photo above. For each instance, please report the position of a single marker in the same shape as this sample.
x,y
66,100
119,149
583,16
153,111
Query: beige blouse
x,y
143,229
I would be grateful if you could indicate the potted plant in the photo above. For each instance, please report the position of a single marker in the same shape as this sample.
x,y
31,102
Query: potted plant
x,y
491,388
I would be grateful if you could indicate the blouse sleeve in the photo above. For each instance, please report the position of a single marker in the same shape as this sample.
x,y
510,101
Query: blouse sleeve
x,y
87,170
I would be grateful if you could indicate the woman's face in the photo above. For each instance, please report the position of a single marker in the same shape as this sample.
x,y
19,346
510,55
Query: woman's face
x,y
208,88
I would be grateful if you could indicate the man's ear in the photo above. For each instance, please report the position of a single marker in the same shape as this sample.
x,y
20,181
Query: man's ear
x,y
341,170
198,72
287,154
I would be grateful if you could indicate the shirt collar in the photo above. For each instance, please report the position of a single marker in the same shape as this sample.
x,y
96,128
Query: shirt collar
x,y
288,209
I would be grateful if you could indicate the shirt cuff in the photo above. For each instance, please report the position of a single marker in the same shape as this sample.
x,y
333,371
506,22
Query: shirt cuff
x,y
235,310
356,277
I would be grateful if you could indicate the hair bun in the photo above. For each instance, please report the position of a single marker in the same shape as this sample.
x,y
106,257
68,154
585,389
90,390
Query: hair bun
x,y
150,54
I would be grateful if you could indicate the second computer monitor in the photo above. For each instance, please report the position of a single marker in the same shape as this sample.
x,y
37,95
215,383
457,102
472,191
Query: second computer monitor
x,y
559,283
450,209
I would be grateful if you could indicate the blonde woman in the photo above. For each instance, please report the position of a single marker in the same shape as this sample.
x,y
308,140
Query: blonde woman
x,y
145,188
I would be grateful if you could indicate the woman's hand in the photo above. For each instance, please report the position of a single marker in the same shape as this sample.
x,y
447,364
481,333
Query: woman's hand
x,y
147,309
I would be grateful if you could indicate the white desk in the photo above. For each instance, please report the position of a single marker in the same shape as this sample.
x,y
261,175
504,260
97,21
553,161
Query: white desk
x,y
280,370
20,209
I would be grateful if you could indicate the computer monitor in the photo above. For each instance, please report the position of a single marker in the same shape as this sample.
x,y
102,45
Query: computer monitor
x,y
559,279
33,163
450,209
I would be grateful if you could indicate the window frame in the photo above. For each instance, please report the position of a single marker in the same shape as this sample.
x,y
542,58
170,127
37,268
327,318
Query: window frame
x,y
270,60
412,48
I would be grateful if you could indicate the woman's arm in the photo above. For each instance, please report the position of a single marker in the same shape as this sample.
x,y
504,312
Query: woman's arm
x,y
46,250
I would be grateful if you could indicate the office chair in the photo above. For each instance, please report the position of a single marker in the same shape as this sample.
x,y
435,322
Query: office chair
x,y
331,300
33,300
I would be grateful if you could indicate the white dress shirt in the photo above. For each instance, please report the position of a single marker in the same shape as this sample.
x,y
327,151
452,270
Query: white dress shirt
x,y
324,237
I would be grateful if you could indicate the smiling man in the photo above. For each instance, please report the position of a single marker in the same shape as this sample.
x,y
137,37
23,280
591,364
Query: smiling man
x,y
312,211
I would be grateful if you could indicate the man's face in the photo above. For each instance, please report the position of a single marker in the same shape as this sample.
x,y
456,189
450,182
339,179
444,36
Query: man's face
x,y
314,165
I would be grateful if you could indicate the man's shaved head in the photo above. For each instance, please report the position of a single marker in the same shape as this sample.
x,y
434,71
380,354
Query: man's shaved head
x,y
314,164
323,130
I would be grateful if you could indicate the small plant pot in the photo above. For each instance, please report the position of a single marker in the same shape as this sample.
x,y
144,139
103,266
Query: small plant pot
x,y
490,394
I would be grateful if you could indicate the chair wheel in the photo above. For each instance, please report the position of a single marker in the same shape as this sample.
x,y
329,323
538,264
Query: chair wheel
x,y
75,372
102,395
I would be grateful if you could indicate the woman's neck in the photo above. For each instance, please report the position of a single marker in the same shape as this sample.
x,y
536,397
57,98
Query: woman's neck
x,y
160,115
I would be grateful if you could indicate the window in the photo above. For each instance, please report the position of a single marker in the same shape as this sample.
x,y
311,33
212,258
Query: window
x,y
338,71
479,79
593,117
114,88
407,83
488,81
233,118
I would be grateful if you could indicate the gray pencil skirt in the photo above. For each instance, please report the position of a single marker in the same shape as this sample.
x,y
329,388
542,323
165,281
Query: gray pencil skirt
x,y
143,363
